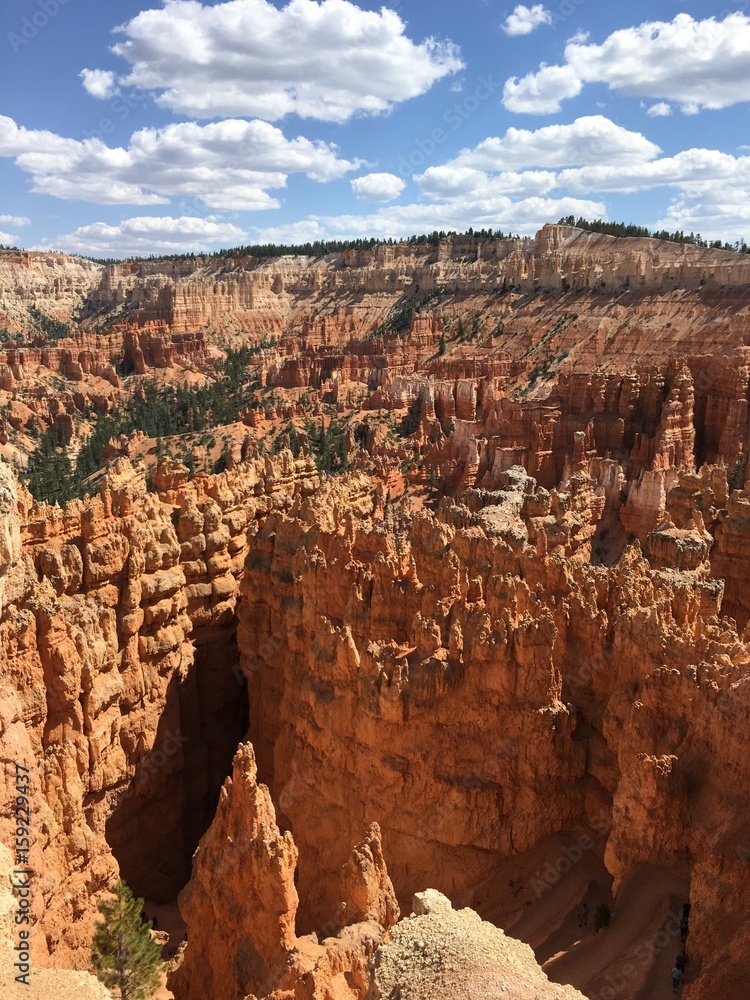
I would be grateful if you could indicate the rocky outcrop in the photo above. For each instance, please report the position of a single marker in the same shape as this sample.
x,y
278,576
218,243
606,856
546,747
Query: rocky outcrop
x,y
117,655
40,984
366,890
241,902
495,691
283,296
243,876
240,910
454,954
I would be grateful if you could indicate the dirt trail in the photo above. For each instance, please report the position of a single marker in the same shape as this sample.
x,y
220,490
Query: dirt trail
x,y
169,920
537,897
634,954
659,978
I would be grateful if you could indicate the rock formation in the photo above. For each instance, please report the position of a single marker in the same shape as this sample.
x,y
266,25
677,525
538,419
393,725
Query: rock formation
x,y
441,952
494,691
241,903
243,875
117,639
521,614
63,984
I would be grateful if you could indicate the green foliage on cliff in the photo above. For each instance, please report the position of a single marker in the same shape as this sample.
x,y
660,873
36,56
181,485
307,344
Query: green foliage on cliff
x,y
319,248
123,954
628,229
328,446
158,411
51,328
49,474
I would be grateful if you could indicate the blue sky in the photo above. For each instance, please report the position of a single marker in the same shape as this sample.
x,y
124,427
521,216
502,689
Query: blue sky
x,y
136,128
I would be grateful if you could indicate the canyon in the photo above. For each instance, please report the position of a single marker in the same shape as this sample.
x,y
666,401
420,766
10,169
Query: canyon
x,y
515,623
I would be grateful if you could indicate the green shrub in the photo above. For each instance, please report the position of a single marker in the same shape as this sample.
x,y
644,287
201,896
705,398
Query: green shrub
x,y
602,916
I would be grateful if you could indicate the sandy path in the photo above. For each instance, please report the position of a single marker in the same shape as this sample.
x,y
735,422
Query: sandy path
x,y
631,955
658,982
169,920
536,898
550,924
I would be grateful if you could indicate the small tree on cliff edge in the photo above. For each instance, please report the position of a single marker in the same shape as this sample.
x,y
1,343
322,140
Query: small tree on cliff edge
x,y
123,954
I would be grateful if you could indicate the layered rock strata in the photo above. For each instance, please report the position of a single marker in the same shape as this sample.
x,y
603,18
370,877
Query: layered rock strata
x,y
119,679
474,691
241,903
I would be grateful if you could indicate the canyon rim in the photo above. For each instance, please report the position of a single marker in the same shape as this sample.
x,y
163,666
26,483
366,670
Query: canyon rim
x,y
443,630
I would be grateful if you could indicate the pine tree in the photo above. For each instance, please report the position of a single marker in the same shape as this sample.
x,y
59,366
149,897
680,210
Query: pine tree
x,y
123,954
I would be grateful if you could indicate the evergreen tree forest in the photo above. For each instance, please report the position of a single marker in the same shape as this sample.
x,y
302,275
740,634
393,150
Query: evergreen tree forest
x,y
158,411
628,229
169,411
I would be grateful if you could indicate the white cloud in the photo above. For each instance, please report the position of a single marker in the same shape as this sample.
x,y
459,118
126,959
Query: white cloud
x,y
714,189
378,187
541,93
696,64
293,233
447,182
589,140
397,221
660,110
15,221
145,235
524,19
248,58
99,83
724,216
227,165
693,170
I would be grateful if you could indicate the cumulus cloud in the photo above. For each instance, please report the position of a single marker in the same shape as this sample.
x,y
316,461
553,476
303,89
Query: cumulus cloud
x,y
693,170
249,58
99,83
725,215
588,140
541,93
378,187
695,64
524,19
447,182
659,110
149,234
15,221
227,165
496,212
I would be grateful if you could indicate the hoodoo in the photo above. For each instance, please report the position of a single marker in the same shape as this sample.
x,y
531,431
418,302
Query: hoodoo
x,y
395,605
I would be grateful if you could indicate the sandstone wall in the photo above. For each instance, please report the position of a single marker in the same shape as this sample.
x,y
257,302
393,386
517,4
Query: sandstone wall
x,y
470,685
116,668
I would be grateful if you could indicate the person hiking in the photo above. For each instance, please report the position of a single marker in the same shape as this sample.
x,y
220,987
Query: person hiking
x,y
684,927
677,975
583,915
